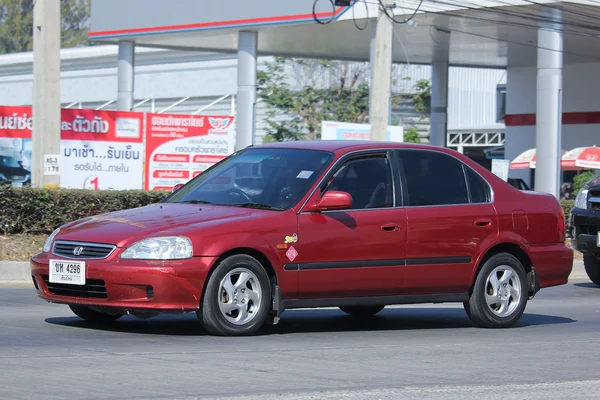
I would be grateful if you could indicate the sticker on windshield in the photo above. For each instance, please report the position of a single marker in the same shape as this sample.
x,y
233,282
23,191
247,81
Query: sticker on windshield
x,y
304,174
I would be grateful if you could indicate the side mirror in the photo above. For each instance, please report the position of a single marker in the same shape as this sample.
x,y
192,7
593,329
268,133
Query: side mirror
x,y
177,187
330,201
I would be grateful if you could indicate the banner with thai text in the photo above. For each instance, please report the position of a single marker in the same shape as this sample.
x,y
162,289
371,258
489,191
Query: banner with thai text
x,y
180,147
99,149
15,145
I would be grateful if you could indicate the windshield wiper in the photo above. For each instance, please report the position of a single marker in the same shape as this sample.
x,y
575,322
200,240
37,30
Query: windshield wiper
x,y
193,202
258,206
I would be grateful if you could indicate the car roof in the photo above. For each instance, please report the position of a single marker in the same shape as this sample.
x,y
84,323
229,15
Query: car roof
x,y
345,146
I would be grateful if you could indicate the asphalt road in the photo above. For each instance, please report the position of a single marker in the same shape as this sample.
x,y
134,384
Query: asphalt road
x,y
412,352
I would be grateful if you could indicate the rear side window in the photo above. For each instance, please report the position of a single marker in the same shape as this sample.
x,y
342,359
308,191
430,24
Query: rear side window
x,y
433,179
480,190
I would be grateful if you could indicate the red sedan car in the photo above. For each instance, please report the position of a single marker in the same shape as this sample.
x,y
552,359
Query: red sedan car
x,y
354,225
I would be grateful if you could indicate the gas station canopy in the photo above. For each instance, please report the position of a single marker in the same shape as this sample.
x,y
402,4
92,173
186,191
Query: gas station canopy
x,y
482,34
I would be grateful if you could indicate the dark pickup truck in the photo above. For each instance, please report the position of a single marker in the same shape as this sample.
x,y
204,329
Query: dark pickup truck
x,y
584,227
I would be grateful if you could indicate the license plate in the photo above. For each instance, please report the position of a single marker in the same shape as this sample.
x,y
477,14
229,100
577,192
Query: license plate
x,y
68,272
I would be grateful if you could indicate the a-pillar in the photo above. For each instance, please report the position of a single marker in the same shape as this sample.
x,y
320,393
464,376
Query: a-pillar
x,y
439,87
126,75
549,104
246,94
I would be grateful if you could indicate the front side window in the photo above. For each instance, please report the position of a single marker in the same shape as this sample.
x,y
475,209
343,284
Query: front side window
x,y
261,178
433,178
367,180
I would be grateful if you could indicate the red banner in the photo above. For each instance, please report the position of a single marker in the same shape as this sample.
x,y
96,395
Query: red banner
x,y
16,122
109,126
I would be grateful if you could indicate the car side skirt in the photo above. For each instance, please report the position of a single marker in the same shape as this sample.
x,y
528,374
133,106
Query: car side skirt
x,y
376,300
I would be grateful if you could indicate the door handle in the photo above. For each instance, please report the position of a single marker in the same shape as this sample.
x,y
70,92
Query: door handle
x,y
483,222
390,228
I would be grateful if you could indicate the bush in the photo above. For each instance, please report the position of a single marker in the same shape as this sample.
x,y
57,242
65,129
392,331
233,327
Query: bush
x,y
29,210
566,206
581,180
43,210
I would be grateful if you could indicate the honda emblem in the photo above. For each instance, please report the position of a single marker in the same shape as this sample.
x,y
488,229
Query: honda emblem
x,y
77,251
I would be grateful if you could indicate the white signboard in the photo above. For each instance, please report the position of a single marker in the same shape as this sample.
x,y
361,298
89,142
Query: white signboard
x,y
500,168
51,164
331,130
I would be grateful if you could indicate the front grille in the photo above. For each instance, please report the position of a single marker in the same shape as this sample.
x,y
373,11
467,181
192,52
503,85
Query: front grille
x,y
589,229
80,250
93,289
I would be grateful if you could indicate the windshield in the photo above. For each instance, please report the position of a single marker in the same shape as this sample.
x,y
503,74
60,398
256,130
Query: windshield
x,y
9,162
264,178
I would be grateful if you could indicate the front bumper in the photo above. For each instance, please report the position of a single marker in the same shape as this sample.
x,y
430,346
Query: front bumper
x,y
129,285
584,226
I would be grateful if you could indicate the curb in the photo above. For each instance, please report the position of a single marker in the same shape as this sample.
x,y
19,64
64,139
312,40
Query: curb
x,y
15,273
19,273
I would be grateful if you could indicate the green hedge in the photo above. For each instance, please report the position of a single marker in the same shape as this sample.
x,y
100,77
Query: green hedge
x,y
567,205
43,210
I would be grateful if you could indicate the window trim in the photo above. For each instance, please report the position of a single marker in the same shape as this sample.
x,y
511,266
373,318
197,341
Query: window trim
x,y
333,168
463,164
490,193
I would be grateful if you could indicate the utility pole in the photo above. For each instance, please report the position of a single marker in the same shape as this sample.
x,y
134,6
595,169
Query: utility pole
x,y
382,75
46,94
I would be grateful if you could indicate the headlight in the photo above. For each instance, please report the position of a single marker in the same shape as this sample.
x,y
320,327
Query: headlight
x,y
581,200
160,248
48,244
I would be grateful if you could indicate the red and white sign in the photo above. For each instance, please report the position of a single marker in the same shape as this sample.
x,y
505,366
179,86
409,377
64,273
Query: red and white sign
x,y
99,149
180,147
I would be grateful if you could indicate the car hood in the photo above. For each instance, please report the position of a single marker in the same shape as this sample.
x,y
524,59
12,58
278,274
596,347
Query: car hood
x,y
123,228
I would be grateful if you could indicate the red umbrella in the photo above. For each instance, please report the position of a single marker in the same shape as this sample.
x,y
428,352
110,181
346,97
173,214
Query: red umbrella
x,y
525,160
581,158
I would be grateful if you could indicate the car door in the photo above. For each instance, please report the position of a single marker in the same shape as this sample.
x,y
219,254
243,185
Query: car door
x,y
450,220
360,251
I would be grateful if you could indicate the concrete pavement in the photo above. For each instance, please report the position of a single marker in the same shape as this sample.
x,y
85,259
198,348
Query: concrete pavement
x,y
407,352
17,273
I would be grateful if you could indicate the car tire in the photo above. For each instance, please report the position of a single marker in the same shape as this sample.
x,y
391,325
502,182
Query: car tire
x,y
500,293
592,268
362,311
237,298
90,315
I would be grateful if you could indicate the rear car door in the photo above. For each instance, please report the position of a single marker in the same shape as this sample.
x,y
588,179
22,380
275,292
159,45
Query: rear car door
x,y
450,216
360,251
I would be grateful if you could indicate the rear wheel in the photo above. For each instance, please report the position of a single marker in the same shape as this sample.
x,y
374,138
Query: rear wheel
x,y
90,315
500,293
237,297
362,311
592,268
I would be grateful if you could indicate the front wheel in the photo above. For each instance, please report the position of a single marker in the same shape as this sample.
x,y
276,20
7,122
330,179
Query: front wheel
x,y
90,315
592,268
500,293
237,297
362,311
